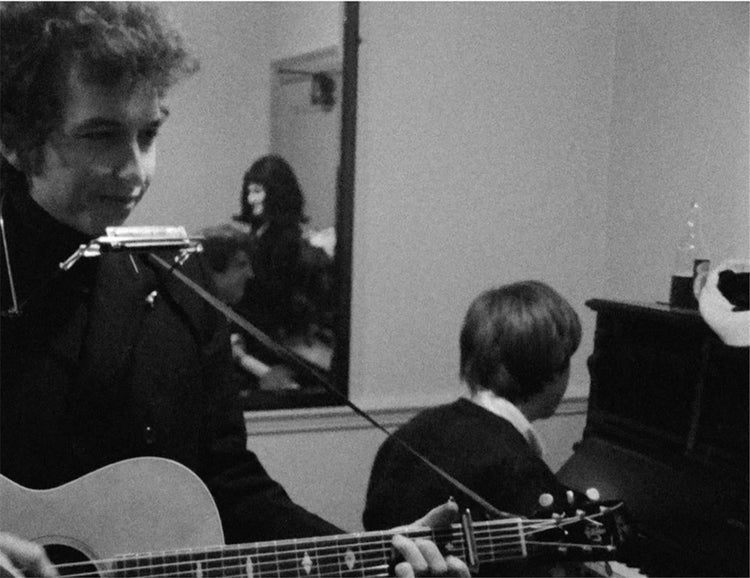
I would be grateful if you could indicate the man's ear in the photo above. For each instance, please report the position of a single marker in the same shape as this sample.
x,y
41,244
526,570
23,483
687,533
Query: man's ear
x,y
11,156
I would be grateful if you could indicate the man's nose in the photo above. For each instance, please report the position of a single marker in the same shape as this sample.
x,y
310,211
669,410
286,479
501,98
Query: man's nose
x,y
134,164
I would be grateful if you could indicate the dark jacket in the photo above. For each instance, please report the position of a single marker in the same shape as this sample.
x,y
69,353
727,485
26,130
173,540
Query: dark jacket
x,y
93,372
478,448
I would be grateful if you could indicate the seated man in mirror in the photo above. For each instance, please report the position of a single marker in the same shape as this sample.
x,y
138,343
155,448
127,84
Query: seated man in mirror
x,y
515,348
115,359
227,251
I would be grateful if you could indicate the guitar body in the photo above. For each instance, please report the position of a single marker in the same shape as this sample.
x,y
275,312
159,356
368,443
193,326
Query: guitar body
x,y
137,505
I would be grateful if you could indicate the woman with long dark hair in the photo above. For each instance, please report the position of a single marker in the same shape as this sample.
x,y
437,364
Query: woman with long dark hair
x,y
290,294
272,212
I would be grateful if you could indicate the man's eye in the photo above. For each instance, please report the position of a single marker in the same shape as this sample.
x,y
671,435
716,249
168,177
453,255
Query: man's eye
x,y
99,135
147,137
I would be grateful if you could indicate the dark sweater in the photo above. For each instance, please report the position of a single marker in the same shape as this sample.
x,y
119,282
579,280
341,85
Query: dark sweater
x,y
480,449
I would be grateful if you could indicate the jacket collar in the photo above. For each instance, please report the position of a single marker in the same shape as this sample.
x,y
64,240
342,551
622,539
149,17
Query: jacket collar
x,y
501,407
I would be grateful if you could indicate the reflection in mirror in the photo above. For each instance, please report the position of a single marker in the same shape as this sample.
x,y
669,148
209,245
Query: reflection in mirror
x,y
306,126
305,132
295,207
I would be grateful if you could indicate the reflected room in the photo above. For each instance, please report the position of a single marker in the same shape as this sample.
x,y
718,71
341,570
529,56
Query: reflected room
x,y
273,90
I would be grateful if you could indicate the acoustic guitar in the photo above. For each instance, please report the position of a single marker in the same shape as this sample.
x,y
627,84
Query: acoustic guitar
x,y
154,517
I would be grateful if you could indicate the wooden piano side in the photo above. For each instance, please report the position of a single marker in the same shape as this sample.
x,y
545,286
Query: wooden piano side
x,y
667,431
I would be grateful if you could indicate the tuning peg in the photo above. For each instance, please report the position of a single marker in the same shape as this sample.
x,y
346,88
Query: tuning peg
x,y
546,500
570,497
593,494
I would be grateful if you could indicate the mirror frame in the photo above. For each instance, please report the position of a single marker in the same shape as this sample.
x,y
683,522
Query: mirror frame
x,y
345,199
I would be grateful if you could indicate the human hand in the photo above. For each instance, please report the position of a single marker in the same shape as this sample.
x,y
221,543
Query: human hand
x,y
17,554
278,378
421,556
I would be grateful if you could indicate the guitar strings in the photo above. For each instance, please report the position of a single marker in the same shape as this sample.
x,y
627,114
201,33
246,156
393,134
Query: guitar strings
x,y
485,540
227,568
378,538
282,547
540,525
317,567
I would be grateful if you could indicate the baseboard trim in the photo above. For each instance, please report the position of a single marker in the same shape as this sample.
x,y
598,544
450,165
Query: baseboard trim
x,y
294,421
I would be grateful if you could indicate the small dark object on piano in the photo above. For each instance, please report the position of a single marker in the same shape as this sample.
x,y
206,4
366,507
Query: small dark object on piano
x,y
734,287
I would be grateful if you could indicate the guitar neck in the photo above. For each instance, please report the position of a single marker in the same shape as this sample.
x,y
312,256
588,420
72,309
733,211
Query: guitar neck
x,y
365,554
360,555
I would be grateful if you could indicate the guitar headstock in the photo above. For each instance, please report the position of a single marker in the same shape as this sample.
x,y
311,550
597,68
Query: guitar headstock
x,y
583,528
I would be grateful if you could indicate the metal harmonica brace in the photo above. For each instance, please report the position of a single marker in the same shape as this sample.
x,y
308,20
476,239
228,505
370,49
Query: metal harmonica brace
x,y
138,239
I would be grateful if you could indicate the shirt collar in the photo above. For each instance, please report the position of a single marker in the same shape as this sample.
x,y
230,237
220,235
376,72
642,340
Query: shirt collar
x,y
501,407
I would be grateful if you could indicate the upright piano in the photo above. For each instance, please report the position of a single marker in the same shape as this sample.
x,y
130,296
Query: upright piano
x,y
667,432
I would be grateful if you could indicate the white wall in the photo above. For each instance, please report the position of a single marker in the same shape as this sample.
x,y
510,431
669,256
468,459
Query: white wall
x,y
483,141
301,27
679,133
560,141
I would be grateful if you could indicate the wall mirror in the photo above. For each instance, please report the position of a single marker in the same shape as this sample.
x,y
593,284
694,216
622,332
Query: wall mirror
x,y
312,126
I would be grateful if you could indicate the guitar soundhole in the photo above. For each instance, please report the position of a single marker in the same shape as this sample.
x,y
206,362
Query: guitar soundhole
x,y
70,562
